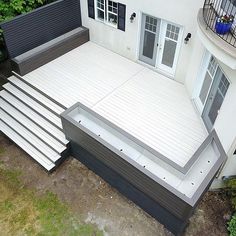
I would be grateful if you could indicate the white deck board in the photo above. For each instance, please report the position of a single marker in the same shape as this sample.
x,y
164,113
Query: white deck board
x,y
32,103
30,137
85,74
149,106
158,112
28,112
34,153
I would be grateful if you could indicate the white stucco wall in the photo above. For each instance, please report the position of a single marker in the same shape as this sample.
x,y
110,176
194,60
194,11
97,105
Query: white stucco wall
x,y
225,124
127,43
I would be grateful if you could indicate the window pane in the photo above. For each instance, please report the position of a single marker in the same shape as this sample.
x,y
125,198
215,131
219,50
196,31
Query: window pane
x,y
148,46
100,14
169,53
112,18
205,88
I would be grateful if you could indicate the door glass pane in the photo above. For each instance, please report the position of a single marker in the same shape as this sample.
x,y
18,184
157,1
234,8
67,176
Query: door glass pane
x,y
217,102
151,24
212,66
218,98
148,44
169,53
172,32
205,88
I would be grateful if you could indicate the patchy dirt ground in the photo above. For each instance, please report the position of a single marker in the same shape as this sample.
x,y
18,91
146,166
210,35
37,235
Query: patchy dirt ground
x,y
94,201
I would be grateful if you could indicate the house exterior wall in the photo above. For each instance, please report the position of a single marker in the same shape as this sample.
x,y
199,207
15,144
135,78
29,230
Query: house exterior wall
x,y
225,125
190,58
127,43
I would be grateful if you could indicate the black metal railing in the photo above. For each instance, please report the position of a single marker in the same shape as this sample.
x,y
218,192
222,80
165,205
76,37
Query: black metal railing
x,y
220,17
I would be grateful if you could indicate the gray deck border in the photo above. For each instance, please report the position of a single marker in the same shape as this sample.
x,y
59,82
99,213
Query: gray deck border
x,y
49,51
211,137
184,169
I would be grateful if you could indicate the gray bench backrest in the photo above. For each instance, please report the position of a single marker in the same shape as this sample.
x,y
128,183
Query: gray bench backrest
x,y
28,31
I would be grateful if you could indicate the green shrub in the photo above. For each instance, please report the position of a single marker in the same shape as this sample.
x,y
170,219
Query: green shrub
x,y
230,185
232,226
12,8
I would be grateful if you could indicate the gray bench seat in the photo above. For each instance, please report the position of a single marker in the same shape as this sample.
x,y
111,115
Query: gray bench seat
x,y
49,51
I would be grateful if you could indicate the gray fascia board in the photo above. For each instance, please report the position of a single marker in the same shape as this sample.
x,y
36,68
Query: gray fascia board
x,y
183,169
200,190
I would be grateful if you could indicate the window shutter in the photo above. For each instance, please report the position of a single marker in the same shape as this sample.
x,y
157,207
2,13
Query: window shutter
x,y
121,16
91,11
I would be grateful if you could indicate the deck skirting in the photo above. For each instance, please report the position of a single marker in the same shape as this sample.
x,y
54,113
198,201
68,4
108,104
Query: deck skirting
x,y
169,220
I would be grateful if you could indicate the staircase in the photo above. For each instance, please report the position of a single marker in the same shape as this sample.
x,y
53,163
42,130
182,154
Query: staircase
x,y
32,121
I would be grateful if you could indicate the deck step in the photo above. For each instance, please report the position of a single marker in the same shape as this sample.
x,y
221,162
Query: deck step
x,y
33,152
31,138
31,126
55,120
33,116
36,95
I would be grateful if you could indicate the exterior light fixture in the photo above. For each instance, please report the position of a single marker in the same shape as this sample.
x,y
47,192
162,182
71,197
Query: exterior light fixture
x,y
132,17
188,36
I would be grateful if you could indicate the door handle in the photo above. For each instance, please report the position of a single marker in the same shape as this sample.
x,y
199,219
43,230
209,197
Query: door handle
x,y
157,44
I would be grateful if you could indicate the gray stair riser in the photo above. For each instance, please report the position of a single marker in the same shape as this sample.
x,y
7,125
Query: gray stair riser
x,y
32,132
29,142
33,120
52,123
38,90
39,102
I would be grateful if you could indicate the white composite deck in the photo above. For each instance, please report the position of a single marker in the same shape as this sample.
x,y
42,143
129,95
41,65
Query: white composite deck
x,y
150,107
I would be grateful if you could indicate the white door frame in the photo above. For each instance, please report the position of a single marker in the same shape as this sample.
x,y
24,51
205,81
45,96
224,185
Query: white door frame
x,y
159,65
203,70
201,76
169,72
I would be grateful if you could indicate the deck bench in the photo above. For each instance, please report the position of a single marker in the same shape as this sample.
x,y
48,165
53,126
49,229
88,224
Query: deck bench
x,y
49,51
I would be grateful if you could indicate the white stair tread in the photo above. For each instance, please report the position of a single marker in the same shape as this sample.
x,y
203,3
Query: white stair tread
x,y
31,138
58,134
41,98
34,104
52,142
34,153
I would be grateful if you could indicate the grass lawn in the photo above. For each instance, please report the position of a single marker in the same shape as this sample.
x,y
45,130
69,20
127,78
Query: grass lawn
x,y
23,212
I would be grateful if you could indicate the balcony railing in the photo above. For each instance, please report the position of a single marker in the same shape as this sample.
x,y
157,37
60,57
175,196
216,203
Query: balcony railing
x,y
219,16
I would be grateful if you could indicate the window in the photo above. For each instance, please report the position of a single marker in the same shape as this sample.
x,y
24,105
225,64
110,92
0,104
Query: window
x,y
107,11
100,9
110,12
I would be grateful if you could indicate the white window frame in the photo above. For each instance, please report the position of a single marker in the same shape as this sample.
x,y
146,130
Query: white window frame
x,y
106,13
100,9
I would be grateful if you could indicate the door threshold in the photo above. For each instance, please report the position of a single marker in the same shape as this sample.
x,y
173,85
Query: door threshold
x,y
169,76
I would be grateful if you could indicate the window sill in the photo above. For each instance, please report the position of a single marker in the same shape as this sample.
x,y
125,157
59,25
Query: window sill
x,y
107,23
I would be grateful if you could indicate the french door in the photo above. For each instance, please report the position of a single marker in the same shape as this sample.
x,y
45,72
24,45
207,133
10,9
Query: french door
x,y
160,43
215,99
212,92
